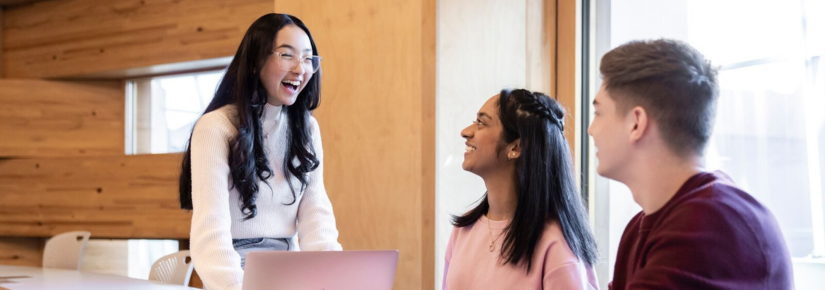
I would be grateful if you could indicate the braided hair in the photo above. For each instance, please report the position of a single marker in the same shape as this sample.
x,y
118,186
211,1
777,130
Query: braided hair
x,y
545,181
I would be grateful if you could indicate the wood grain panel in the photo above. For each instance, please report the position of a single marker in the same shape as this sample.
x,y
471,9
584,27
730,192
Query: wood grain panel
x,y
373,124
1,41
428,145
112,197
17,251
48,118
568,68
68,38
16,2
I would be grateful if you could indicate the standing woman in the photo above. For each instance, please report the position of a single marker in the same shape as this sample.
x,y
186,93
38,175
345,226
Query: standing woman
x,y
530,230
253,172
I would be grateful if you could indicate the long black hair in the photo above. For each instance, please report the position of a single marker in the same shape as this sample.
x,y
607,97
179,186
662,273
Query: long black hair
x,y
545,184
241,86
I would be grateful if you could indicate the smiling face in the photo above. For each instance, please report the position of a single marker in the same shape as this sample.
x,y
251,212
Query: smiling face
x,y
610,130
283,86
485,149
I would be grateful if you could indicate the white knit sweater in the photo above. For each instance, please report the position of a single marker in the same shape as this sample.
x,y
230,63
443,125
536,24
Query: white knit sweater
x,y
217,217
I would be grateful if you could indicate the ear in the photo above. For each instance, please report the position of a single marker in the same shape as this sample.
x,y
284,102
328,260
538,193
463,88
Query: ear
x,y
514,150
639,123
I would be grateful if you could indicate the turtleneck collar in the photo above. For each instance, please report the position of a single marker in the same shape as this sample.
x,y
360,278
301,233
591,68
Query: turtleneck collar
x,y
272,112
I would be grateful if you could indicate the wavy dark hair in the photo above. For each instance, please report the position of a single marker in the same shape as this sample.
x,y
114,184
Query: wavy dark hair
x,y
544,178
241,86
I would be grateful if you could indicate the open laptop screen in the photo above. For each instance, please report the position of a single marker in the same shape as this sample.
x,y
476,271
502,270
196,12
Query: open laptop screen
x,y
330,270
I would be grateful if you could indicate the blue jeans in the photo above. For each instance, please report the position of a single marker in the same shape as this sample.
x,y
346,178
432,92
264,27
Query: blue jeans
x,y
245,246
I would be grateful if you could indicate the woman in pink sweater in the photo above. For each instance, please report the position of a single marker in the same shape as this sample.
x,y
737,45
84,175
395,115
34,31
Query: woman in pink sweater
x,y
530,230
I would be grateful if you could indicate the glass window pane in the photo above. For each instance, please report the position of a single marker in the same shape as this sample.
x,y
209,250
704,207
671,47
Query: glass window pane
x,y
181,93
769,134
167,108
760,140
766,28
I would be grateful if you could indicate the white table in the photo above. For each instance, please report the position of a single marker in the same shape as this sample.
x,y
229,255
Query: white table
x,y
41,279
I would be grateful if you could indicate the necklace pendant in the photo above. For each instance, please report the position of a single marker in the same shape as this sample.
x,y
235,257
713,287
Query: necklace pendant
x,y
492,247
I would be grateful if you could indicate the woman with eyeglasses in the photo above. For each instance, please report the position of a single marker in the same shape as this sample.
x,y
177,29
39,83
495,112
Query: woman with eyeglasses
x,y
530,230
253,173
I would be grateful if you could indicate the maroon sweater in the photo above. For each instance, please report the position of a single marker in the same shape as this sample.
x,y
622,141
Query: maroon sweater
x,y
710,235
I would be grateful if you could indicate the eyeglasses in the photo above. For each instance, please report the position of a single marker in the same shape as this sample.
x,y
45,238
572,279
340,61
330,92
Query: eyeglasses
x,y
287,61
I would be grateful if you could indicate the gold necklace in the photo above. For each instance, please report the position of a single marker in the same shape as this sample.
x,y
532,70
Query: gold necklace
x,y
493,241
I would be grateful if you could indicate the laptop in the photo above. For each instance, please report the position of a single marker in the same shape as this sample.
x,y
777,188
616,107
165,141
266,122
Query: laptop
x,y
330,270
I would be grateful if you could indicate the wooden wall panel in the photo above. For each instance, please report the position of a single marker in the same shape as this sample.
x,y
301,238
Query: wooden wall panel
x,y
376,81
1,40
17,251
428,145
16,2
568,69
48,118
112,197
70,38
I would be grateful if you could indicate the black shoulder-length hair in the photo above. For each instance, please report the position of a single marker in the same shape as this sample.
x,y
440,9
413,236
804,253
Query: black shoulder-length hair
x,y
544,178
241,86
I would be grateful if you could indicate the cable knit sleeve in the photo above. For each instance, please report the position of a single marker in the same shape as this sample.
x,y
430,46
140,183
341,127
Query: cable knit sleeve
x,y
316,222
215,259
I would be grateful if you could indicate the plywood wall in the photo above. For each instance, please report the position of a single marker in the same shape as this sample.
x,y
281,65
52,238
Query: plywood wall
x,y
376,118
69,38
1,41
568,69
377,114
48,118
111,196
18,251
62,161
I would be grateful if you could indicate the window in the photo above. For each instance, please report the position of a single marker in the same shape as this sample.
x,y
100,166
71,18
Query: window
x,y
165,109
144,253
161,112
769,134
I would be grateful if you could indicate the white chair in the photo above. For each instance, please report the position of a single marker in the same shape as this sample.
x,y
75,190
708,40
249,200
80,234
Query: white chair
x,y
65,251
175,268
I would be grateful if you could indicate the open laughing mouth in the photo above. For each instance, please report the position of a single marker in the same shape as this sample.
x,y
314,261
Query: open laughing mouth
x,y
291,86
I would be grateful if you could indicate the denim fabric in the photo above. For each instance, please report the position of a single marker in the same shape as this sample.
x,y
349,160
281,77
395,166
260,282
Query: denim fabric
x,y
245,246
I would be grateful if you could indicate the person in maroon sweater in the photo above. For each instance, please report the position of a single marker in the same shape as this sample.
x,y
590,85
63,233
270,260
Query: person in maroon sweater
x,y
697,230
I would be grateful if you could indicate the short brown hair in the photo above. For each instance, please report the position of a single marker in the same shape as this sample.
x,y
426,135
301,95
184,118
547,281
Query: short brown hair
x,y
672,81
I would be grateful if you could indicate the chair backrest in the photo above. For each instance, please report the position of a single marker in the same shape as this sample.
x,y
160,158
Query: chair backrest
x,y
175,268
65,251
